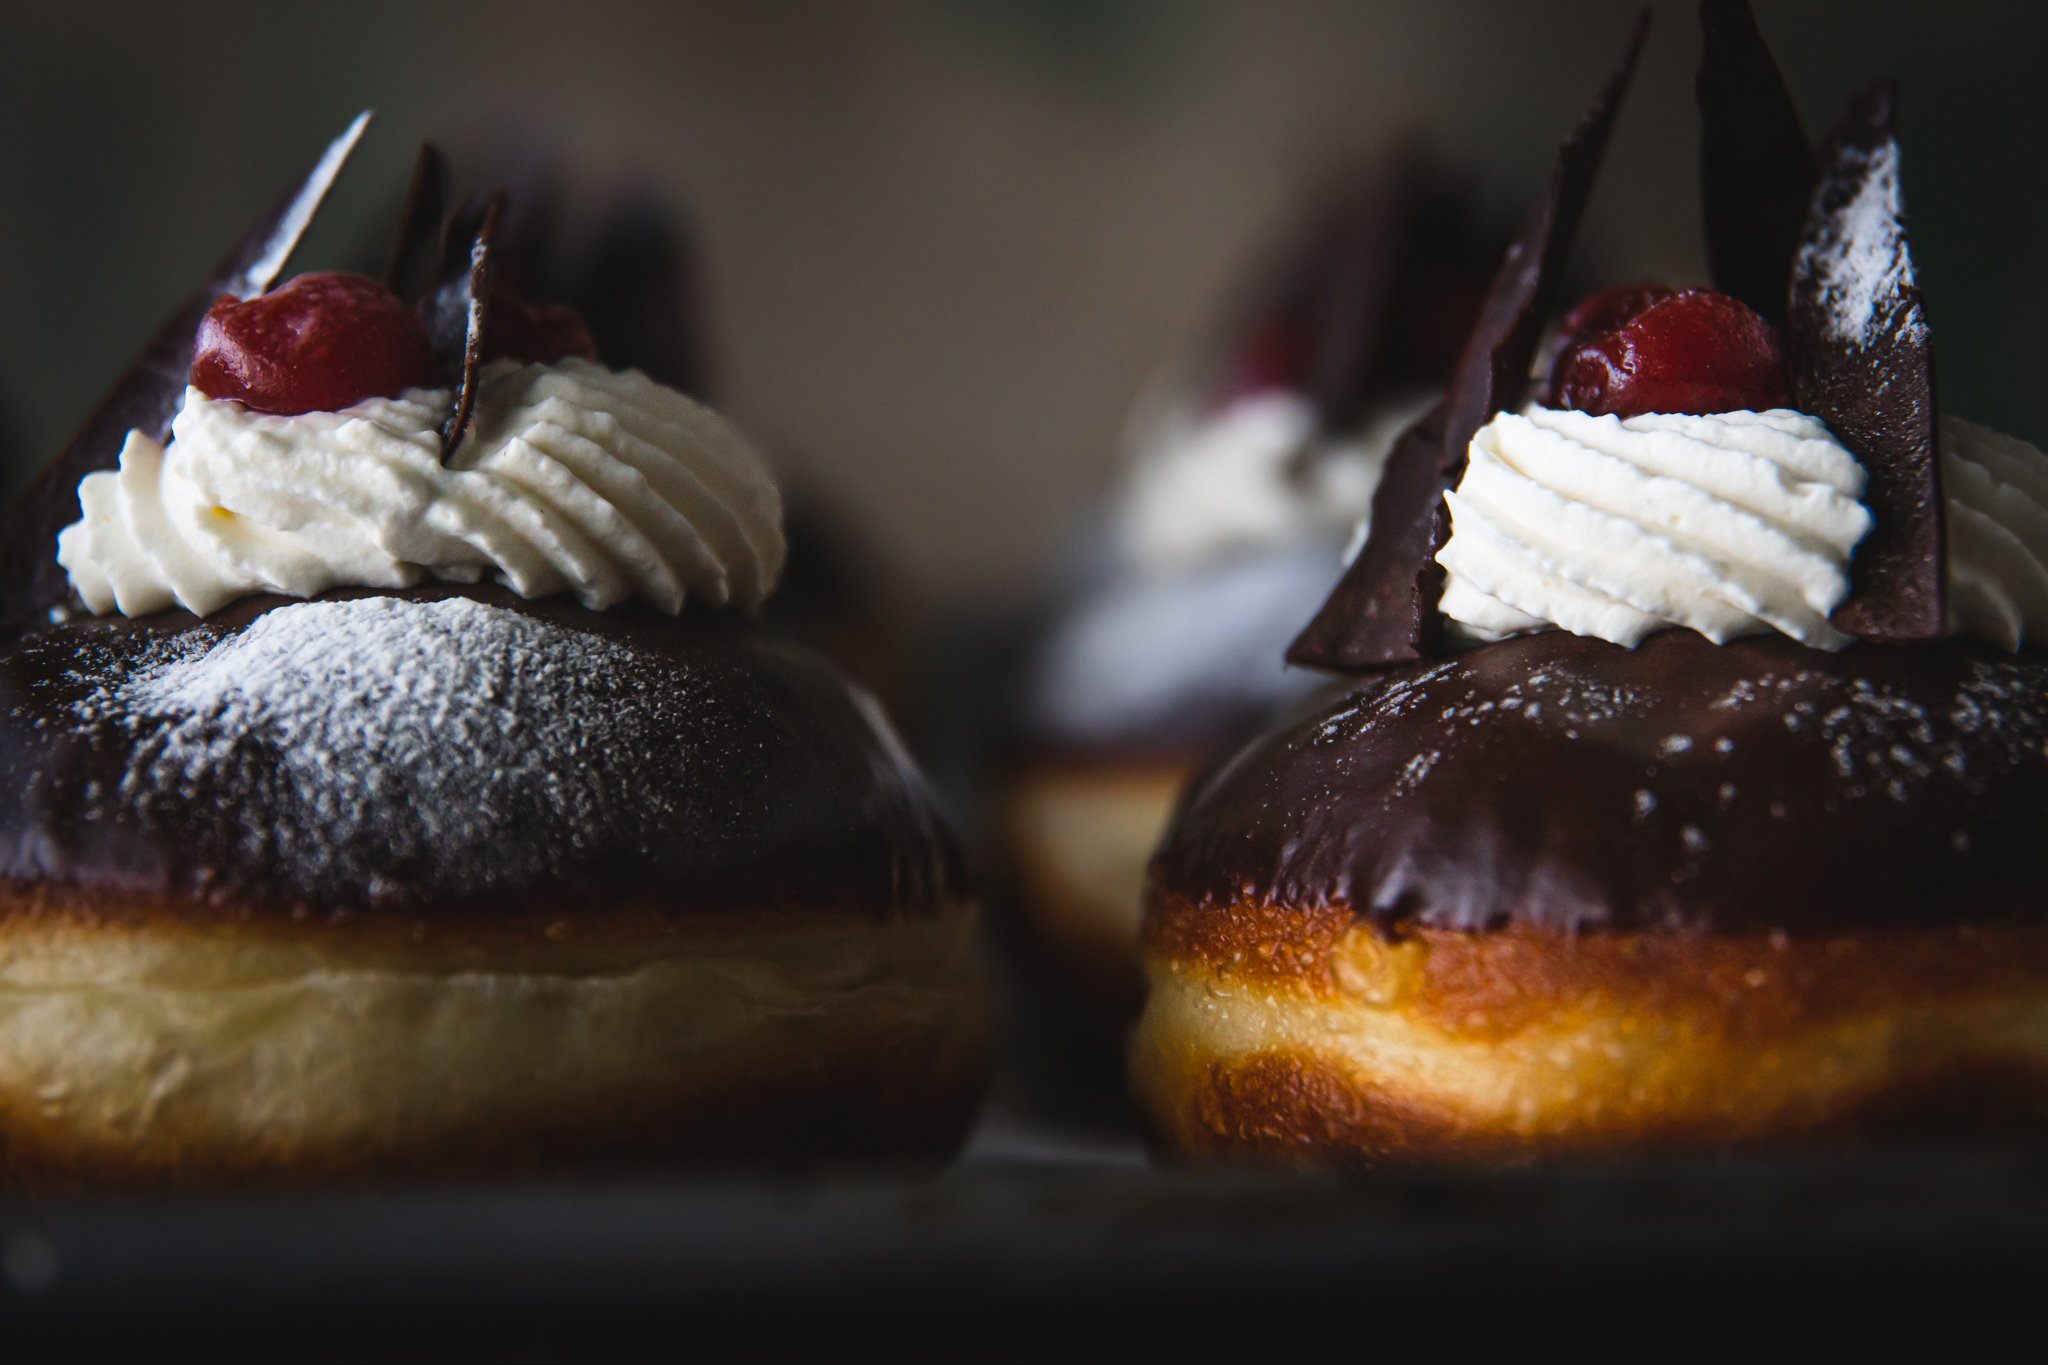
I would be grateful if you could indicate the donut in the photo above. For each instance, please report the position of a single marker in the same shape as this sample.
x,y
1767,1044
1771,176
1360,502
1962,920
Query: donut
x,y
1687,787
402,782
1126,704
449,880
1557,895
1243,488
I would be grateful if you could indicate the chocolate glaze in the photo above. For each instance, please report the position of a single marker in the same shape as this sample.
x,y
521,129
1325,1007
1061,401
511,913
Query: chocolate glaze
x,y
1383,610
788,790
1757,170
1865,366
1567,784
145,398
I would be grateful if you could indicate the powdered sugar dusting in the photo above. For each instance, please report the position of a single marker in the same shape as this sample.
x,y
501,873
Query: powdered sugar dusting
x,y
1875,740
378,737
1861,263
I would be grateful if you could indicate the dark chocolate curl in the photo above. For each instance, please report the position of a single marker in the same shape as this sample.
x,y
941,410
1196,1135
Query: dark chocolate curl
x,y
1863,362
636,289
476,307
1350,289
414,266
1329,300
1383,611
145,398
1757,170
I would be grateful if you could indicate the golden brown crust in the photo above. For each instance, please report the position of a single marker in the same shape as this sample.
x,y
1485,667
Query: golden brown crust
x,y
1292,1035
550,929
850,1112
1077,836
1297,1109
149,1050
1495,983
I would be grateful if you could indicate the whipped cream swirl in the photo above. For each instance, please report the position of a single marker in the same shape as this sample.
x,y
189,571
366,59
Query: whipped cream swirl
x,y
1996,487
573,479
1260,474
1731,524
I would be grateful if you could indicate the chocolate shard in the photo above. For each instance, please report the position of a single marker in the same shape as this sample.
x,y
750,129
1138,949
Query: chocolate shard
x,y
1863,362
1351,285
1383,611
467,297
414,266
145,398
1757,170
1314,323
635,285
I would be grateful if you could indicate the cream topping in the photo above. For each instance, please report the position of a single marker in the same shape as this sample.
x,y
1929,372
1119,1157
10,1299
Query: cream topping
x,y
573,479
1997,492
1260,474
1731,524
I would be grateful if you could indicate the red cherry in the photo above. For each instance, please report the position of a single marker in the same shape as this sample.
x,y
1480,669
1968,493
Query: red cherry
x,y
1274,356
1598,314
537,334
317,344
1647,349
1610,308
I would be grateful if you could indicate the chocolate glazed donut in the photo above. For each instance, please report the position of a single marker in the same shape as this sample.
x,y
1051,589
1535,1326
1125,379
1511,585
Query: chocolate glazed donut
x,y
1555,894
277,901
443,880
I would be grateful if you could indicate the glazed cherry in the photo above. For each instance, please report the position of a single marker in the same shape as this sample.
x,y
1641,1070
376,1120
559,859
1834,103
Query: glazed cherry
x,y
317,344
1646,348
1273,356
1610,308
538,334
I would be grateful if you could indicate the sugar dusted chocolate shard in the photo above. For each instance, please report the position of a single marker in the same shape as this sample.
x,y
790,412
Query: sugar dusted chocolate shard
x,y
1383,611
414,266
1863,362
145,398
460,314
1757,169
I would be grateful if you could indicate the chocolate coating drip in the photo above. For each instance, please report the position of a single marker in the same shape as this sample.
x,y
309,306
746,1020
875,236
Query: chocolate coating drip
x,y
761,779
1383,610
145,398
1572,785
1756,166
1863,362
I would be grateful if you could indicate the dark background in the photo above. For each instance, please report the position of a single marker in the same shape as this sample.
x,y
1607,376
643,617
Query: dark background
x,y
946,242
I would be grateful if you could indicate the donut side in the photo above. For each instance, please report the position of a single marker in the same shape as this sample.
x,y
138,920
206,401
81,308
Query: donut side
x,y
137,1052
445,882
1077,835
1552,895
1315,1038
